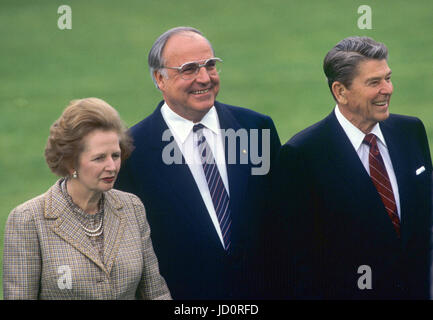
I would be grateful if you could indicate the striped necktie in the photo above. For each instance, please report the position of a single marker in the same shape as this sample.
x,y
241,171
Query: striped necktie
x,y
218,192
380,179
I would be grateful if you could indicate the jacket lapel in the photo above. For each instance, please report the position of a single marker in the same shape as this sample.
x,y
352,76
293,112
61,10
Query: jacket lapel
x,y
66,225
177,179
69,228
114,227
401,162
344,156
357,182
238,174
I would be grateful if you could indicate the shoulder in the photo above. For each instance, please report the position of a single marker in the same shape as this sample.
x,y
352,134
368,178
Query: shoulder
x,y
310,136
236,110
399,118
26,213
244,116
411,128
141,125
403,121
145,126
123,198
130,205
140,128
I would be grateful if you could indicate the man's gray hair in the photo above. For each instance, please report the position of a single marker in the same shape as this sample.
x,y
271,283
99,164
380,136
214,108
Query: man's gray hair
x,y
341,62
155,59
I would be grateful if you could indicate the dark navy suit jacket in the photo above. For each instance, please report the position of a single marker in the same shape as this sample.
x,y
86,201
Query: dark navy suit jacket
x,y
190,254
336,221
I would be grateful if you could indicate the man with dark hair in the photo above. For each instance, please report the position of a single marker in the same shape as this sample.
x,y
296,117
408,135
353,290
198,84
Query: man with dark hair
x,y
202,170
356,188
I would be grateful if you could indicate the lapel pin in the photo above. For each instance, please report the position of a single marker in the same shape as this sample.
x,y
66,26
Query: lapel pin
x,y
420,170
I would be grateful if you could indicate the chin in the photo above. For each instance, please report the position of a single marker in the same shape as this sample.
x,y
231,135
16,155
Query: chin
x,y
202,109
106,188
202,104
385,116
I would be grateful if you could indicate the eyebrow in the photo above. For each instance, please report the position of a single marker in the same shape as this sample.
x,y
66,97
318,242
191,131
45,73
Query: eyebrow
x,y
378,78
96,155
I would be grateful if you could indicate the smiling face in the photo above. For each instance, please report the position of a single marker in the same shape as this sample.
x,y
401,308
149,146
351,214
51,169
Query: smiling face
x,y
191,99
99,162
366,101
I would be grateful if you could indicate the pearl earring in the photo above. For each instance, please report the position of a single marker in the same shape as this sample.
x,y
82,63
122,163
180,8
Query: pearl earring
x,y
75,175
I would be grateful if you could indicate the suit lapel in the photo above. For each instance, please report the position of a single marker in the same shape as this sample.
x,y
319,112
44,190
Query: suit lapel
x,y
357,182
401,163
177,179
238,175
69,228
114,227
67,225
344,156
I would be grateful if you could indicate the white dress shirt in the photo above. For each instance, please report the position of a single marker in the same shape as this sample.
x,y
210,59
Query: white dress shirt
x,y
186,140
356,137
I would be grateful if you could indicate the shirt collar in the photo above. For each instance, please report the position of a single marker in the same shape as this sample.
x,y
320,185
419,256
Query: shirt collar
x,y
355,135
182,127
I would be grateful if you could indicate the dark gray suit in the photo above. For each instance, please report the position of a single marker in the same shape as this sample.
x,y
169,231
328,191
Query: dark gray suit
x,y
189,251
336,221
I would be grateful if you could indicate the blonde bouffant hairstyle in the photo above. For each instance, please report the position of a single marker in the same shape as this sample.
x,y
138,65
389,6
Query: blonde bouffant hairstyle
x,y
81,117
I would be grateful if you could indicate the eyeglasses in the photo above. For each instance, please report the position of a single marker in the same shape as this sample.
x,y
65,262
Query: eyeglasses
x,y
189,70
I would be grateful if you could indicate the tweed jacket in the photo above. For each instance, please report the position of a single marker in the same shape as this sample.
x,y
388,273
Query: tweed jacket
x,y
47,255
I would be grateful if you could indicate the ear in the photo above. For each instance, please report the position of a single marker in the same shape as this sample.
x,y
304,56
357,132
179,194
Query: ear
x,y
70,170
160,79
70,166
340,92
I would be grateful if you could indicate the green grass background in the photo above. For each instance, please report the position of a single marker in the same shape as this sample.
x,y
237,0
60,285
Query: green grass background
x,y
272,52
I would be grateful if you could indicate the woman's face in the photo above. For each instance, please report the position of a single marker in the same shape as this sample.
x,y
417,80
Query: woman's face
x,y
99,162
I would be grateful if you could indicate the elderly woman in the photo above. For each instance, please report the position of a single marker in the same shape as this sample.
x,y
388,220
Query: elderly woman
x,y
82,239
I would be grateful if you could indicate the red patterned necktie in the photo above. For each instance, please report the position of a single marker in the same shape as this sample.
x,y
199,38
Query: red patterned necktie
x,y
220,197
380,179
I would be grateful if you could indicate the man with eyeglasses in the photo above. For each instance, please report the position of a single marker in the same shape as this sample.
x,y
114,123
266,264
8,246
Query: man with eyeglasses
x,y
193,168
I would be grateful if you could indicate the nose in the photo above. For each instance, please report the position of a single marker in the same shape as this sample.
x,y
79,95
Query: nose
x,y
202,76
110,165
386,88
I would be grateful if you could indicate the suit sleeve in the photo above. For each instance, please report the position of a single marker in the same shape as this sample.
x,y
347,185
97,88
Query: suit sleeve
x,y
424,142
293,224
21,257
422,137
152,285
275,143
280,238
274,148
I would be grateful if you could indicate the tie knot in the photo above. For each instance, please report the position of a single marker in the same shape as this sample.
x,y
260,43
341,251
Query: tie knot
x,y
197,127
370,139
